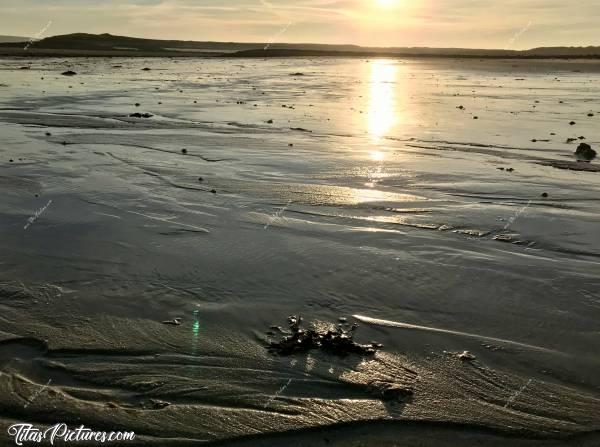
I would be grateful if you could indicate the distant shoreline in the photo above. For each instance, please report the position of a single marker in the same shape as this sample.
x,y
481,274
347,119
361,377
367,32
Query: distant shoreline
x,y
266,54
107,45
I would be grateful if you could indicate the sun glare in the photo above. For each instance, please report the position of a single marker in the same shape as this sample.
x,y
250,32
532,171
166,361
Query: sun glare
x,y
382,114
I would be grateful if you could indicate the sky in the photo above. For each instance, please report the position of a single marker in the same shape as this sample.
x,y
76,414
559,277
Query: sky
x,y
506,24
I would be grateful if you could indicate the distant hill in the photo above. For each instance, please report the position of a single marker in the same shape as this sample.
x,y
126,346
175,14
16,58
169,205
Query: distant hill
x,y
82,44
4,39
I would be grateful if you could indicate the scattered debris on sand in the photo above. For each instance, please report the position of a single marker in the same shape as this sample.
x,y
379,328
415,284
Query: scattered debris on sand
x,y
338,340
585,152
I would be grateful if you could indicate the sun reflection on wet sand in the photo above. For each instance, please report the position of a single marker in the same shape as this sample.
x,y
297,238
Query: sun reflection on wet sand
x,y
382,115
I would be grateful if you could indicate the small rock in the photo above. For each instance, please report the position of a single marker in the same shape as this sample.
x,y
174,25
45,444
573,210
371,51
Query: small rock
x,y
388,391
503,238
69,73
572,123
270,122
466,356
590,114
510,169
214,191
173,322
200,179
544,194
184,151
141,115
48,134
585,152
146,69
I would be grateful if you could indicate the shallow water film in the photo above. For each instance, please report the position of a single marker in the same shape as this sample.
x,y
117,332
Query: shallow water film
x,y
426,221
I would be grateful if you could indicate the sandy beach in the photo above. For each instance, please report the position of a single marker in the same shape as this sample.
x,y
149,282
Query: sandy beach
x,y
161,219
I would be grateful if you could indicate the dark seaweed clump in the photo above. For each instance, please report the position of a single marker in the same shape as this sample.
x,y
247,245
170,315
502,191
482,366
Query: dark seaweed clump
x,y
338,340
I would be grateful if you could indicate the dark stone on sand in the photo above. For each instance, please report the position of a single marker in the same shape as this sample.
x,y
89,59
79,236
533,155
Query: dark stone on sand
x,y
590,114
300,129
270,122
466,356
572,123
146,69
48,134
154,404
141,115
510,169
137,104
461,107
544,194
200,179
475,117
214,191
570,140
297,74
389,391
335,340
69,73
11,160
184,151
585,152
290,145
25,68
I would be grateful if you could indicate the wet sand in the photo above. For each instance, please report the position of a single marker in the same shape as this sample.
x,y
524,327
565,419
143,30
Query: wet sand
x,y
363,189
